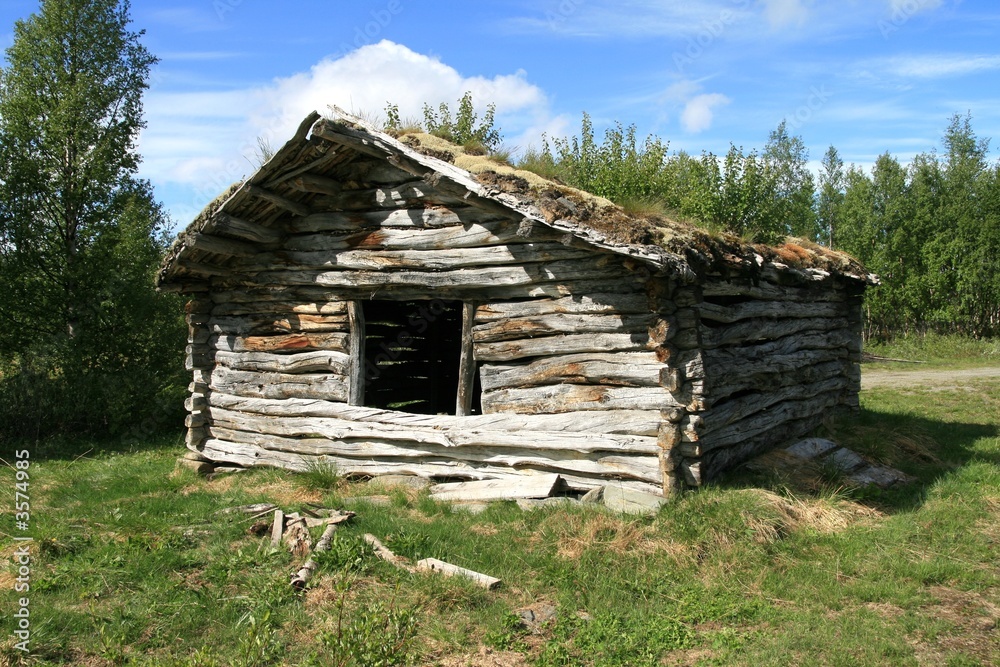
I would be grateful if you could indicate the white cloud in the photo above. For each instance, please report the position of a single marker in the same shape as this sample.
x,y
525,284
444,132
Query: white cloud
x,y
935,66
207,140
699,111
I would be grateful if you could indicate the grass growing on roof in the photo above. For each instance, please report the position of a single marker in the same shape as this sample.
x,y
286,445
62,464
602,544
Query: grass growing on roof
x,y
132,564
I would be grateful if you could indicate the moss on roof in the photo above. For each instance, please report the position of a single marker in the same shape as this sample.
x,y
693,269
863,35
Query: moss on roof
x,y
557,201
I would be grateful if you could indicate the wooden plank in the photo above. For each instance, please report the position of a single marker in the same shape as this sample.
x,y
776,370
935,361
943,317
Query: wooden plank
x,y
467,235
272,323
277,528
285,203
766,329
304,362
228,225
449,570
218,245
626,422
395,260
356,353
329,386
248,456
392,439
515,328
466,364
579,304
560,345
769,309
624,369
493,276
566,397
419,218
297,342
533,486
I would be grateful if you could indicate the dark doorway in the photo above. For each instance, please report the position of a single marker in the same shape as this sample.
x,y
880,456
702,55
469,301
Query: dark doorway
x,y
412,354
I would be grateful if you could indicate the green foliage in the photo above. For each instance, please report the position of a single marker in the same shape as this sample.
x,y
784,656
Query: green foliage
x,y
378,634
464,129
85,343
321,476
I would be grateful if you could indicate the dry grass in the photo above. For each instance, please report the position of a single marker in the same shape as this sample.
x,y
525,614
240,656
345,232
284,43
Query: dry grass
x,y
787,514
579,532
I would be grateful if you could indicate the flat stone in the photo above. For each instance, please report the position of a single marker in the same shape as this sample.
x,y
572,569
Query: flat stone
x,y
810,448
200,467
192,455
629,501
528,504
845,459
880,476
409,481
537,615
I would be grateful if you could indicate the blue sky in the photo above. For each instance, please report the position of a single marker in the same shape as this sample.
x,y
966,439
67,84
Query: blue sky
x,y
865,76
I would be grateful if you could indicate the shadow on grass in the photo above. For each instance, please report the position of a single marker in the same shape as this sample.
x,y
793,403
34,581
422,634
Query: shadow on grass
x,y
69,447
923,447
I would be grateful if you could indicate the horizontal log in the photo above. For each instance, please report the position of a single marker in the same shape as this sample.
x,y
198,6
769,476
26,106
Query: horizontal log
x,y
625,369
297,342
304,362
263,307
561,344
364,439
559,323
270,324
642,468
722,387
419,217
227,225
218,245
767,291
769,309
764,352
405,196
634,422
766,329
315,183
582,304
252,456
328,386
761,422
394,260
294,207
492,277
725,413
566,397
459,235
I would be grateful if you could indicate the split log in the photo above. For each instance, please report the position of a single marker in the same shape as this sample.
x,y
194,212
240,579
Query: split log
x,y
419,217
356,455
261,307
277,528
329,386
764,329
386,554
269,324
769,309
631,422
356,354
589,304
449,570
560,345
297,342
562,398
545,325
496,276
466,363
303,362
625,369
394,260
301,578
489,232
227,225
774,381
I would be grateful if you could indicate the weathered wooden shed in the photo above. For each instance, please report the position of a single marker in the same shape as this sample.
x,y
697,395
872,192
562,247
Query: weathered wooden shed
x,y
398,305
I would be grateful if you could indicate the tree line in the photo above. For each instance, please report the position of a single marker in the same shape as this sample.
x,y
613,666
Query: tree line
x,y
930,229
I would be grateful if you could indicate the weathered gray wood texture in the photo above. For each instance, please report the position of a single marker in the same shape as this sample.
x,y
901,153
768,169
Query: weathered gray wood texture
x,y
597,361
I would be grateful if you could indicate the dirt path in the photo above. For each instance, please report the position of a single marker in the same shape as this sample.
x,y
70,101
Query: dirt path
x,y
933,379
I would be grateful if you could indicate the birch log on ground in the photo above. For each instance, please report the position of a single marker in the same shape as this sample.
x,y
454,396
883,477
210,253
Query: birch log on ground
x,y
301,578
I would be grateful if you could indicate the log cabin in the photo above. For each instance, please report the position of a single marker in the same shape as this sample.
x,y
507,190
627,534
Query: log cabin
x,y
396,304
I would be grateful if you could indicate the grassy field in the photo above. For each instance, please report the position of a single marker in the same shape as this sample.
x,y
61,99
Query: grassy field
x,y
132,565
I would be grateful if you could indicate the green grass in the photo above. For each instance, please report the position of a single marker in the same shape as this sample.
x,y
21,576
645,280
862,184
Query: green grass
x,y
132,564
938,349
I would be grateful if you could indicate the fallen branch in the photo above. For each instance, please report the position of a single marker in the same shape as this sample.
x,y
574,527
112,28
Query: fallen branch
x,y
871,357
305,573
385,554
449,570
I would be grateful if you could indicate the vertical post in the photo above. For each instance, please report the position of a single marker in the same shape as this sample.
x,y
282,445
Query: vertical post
x,y
356,319
466,363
